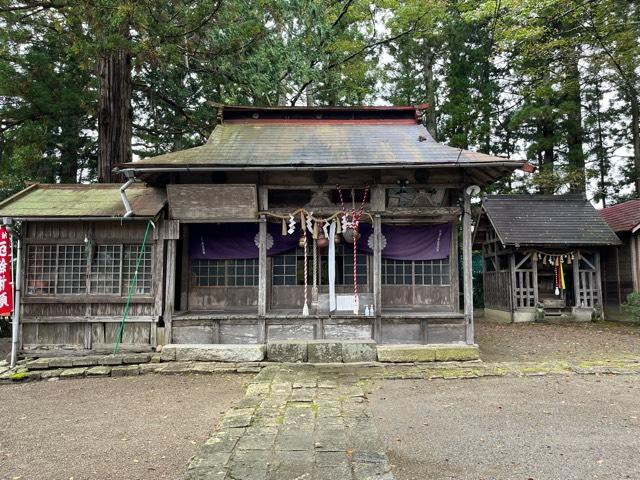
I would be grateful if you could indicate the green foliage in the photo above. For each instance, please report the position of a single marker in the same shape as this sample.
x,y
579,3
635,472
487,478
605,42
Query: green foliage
x,y
555,82
632,306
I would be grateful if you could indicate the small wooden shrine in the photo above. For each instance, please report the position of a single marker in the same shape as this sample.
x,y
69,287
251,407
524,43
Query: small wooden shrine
x,y
289,223
621,265
541,257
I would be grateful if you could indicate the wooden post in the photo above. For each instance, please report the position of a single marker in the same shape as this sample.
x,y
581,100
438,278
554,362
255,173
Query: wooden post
x,y
377,277
514,295
170,289
598,278
534,266
467,265
576,279
262,279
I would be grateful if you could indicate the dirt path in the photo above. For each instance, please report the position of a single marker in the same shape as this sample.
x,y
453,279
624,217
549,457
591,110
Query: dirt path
x,y
539,342
554,427
145,427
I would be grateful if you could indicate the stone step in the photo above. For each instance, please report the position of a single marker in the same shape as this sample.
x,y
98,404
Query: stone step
x,y
215,352
321,351
427,353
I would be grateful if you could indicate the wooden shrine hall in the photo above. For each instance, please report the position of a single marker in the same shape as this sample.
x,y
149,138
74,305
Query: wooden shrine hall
x,y
288,223
542,257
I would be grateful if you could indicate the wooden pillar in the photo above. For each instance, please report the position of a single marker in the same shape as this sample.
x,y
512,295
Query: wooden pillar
x,y
377,277
534,266
514,295
170,289
467,265
576,279
635,261
262,280
598,266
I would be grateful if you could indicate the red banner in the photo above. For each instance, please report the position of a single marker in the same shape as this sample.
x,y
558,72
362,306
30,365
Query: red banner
x,y
6,294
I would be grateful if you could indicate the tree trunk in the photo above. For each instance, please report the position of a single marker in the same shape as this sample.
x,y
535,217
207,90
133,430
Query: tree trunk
x,y
430,89
575,134
114,113
635,134
69,150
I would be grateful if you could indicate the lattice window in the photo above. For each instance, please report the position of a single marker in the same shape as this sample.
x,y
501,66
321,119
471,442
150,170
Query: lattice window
x,y
431,272
207,273
219,273
145,273
396,272
285,269
419,272
105,269
62,270
72,270
41,269
241,273
345,255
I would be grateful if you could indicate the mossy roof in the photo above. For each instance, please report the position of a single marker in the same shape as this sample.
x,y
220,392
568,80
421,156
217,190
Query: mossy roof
x,y
87,200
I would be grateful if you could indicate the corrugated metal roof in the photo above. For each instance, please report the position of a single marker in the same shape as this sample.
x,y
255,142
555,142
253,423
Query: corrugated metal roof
x,y
264,145
547,220
91,201
624,217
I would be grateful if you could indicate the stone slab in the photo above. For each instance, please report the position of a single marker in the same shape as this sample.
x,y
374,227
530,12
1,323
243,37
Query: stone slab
x,y
457,353
215,352
359,351
73,372
125,371
38,364
406,353
99,370
324,352
292,351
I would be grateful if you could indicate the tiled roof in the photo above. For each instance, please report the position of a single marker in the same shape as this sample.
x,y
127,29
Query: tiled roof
x,y
547,220
87,200
323,145
624,217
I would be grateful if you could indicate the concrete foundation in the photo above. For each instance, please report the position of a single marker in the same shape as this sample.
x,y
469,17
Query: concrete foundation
x,y
500,316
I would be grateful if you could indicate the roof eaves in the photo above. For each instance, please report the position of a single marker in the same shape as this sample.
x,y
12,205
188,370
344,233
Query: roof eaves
x,y
500,237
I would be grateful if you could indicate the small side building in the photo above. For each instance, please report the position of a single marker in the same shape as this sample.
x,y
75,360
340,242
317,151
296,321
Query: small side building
x,y
541,257
78,252
621,265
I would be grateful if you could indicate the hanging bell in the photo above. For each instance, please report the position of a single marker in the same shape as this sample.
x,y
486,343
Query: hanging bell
x,y
322,241
302,240
350,235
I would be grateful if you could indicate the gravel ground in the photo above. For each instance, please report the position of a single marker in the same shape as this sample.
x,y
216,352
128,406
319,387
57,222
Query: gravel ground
x,y
570,341
144,427
554,427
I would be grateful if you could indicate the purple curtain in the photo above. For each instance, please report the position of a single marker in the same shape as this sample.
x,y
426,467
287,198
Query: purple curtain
x,y
409,242
240,241
223,241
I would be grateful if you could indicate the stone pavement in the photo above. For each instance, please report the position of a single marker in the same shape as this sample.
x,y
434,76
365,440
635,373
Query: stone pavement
x,y
296,422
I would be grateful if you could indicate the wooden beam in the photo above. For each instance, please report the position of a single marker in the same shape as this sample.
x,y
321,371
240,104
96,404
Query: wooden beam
x,y
170,288
467,266
262,279
377,277
576,279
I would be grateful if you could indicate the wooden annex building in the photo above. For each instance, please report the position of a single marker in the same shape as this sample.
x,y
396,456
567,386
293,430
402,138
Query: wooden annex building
x,y
621,265
542,257
250,237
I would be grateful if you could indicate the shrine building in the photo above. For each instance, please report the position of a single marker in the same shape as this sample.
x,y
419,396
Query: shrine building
x,y
288,223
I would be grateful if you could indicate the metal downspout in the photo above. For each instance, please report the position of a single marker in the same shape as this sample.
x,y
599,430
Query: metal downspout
x,y
15,324
125,200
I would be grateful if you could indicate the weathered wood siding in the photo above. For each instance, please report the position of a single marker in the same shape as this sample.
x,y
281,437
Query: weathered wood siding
x,y
88,321
617,271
